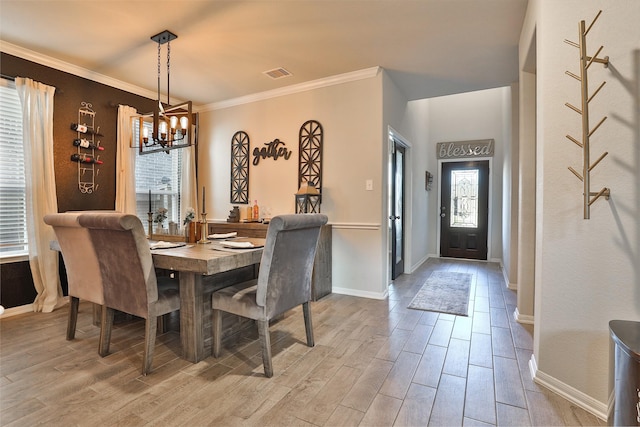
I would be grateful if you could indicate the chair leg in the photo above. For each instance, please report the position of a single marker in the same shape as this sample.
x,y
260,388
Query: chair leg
x,y
161,324
216,327
265,341
151,329
106,322
73,318
308,325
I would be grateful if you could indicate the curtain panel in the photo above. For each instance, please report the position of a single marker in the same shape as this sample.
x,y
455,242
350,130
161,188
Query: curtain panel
x,y
37,123
125,162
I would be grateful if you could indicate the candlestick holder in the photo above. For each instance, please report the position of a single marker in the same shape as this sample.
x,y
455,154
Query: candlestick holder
x,y
150,223
203,228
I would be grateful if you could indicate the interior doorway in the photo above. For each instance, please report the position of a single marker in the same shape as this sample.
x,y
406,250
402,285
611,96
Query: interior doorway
x,y
396,212
464,209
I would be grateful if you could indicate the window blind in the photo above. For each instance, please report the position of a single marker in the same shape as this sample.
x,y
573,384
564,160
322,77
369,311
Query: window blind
x,y
13,221
162,174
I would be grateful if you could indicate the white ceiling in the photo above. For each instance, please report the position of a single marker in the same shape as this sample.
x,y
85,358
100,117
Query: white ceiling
x,y
429,47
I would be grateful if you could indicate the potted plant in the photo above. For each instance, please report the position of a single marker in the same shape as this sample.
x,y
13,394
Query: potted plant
x,y
189,225
159,217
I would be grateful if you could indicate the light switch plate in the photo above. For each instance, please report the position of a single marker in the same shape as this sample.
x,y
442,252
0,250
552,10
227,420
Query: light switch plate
x,y
368,185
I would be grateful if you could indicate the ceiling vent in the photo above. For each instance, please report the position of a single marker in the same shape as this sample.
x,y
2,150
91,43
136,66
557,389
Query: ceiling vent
x,y
277,73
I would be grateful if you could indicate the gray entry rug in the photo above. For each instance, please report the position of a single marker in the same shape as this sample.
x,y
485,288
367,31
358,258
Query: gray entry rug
x,y
444,292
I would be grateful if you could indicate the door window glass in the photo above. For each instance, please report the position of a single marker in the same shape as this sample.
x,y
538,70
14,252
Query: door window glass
x,y
464,198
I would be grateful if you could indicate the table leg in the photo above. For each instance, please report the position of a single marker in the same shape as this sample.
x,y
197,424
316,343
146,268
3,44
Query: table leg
x,y
191,322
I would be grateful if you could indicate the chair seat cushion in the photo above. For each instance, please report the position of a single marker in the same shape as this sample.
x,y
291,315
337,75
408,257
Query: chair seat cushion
x,y
239,299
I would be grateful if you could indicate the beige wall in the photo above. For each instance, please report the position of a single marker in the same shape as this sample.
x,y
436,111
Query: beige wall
x,y
587,271
351,116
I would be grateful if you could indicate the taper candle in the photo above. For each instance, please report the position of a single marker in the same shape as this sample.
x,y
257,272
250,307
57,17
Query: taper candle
x,y
149,200
203,208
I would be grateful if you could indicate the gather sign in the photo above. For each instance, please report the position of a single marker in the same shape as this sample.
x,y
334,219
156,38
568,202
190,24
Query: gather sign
x,y
464,149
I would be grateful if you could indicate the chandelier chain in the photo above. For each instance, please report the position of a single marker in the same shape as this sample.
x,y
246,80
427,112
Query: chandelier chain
x,y
168,70
158,71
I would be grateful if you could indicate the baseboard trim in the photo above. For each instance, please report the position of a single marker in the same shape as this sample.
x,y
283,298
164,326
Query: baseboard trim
x,y
522,318
361,294
573,395
14,311
415,266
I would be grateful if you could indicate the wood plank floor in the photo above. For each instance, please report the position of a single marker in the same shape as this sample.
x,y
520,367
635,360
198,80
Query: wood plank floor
x,y
374,363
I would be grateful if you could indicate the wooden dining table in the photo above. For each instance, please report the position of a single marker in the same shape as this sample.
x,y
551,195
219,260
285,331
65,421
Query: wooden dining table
x,y
193,263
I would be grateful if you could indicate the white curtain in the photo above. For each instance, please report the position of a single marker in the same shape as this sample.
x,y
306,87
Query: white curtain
x,y
37,124
189,190
125,162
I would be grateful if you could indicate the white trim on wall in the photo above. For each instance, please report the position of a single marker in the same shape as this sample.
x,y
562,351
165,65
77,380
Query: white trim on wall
x,y
57,64
360,294
573,395
288,90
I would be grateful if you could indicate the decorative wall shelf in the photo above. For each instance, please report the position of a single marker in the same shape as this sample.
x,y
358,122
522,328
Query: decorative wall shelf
x,y
240,168
310,156
87,146
589,197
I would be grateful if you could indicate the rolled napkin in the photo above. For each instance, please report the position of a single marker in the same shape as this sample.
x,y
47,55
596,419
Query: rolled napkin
x,y
165,245
223,235
239,245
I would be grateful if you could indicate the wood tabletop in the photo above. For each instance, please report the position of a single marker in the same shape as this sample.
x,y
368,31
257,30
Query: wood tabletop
x,y
204,258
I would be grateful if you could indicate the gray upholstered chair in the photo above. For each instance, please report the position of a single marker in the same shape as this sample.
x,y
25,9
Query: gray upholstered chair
x,y
81,263
284,281
128,276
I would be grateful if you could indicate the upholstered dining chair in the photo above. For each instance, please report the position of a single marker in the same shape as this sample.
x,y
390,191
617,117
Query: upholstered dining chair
x,y
128,276
81,263
284,281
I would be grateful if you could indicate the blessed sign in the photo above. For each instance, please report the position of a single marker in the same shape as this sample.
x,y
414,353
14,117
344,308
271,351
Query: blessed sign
x,y
463,149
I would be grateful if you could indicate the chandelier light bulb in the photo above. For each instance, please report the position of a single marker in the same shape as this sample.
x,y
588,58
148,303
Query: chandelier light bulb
x,y
184,122
174,122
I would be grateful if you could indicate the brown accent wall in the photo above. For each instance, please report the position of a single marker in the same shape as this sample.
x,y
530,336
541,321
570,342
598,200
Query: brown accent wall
x,y
17,288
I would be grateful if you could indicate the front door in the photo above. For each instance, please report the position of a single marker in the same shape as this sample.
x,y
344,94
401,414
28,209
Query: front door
x,y
396,215
464,209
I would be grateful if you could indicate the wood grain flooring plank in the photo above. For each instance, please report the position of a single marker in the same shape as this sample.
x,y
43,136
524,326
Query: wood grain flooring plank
x,y
416,406
480,395
417,341
430,366
393,347
457,359
512,415
367,385
481,353
448,406
441,333
382,412
509,388
399,378
502,342
329,396
343,416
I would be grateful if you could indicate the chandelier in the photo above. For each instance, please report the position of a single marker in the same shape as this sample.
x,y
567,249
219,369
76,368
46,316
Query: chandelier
x,y
169,126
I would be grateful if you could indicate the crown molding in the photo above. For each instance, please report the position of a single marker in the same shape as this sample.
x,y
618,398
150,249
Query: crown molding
x,y
292,89
57,64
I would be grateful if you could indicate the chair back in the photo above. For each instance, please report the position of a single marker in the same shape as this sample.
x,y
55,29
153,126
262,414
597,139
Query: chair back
x,y
128,274
80,259
286,266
